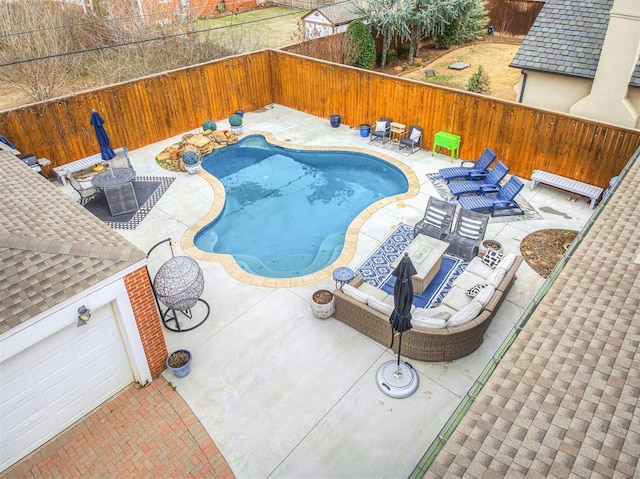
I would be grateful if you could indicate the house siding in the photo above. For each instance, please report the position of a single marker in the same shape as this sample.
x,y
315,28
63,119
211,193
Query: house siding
x,y
148,320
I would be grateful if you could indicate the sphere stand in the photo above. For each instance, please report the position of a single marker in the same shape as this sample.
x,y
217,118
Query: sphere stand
x,y
170,315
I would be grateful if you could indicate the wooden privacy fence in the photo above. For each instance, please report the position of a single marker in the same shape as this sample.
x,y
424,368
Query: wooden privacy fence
x,y
155,108
513,17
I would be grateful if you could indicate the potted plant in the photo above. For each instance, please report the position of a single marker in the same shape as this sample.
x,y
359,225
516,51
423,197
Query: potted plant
x,y
179,362
365,130
191,162
209,125
323,304
492,244
235,121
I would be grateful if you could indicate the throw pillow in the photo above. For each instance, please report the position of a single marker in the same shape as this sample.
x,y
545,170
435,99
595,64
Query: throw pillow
x,y
415,135
476,289
381,125
492,257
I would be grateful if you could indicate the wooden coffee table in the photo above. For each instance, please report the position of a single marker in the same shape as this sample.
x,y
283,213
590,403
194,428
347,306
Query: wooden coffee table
x,y
426,255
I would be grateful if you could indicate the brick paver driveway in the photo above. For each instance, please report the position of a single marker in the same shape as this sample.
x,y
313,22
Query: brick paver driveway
x,y
141,432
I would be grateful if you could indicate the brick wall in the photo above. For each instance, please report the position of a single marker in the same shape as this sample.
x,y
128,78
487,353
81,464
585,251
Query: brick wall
x,y
148,319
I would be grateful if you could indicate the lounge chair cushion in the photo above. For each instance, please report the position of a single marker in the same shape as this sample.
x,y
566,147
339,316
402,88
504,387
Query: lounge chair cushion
x,y
379,305
435,313
507,261
496,277
466,314
355,293
381,125
477,267
372,291
468,280
492,257
456,299
428,322
485,295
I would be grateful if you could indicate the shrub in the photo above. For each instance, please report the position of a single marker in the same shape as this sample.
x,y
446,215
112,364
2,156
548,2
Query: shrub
x,y
363,44
403,51
479,82
209,125
190,158
235,120
449,36
392,55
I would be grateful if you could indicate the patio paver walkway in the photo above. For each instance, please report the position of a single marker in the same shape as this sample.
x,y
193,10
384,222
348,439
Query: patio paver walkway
x,y
141,432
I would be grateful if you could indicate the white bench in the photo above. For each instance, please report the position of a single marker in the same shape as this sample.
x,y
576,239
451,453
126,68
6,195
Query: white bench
x,y
82,164
567,184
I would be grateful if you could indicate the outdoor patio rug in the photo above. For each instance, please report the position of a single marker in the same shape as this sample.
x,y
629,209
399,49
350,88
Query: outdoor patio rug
x,y
530,212
376,269
149,189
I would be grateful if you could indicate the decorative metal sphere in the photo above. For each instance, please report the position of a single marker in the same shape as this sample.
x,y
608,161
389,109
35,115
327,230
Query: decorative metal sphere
x,y
179,283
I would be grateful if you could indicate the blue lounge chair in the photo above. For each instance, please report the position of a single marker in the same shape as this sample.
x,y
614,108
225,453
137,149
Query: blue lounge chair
x,y
383,134
490,184
503,201
477,170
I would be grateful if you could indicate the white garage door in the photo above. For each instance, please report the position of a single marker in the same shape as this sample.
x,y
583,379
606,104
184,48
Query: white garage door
x,y
52,384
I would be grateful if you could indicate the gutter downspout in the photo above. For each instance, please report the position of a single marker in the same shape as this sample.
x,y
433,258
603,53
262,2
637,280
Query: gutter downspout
x,y
467,401
524,84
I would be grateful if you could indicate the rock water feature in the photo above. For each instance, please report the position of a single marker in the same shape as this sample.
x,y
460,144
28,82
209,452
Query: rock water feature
x,y
201,143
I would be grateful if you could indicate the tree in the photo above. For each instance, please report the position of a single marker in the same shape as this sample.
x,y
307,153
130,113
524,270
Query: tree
x,y
479,82
39,29
444,19
363,46
390,18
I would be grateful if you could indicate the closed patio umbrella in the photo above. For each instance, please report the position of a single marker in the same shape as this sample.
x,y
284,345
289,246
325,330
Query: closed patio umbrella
x,y
103,139
398,378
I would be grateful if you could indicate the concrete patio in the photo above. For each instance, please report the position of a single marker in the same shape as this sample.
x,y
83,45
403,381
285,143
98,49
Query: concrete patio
x,y
284,394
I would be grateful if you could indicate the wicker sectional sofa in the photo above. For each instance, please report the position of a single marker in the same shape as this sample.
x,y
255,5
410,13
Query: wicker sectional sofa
x,y
438,341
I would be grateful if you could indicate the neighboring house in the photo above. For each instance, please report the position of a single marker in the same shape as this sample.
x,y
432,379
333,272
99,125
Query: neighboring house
x,y
57,257
583,58
329,19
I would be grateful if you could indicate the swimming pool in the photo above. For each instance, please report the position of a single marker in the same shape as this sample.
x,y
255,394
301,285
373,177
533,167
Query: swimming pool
x,y
287,210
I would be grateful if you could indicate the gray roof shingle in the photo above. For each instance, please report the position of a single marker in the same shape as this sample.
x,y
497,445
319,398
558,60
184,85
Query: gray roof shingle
x,y
51,248
567,38
339,13
563,401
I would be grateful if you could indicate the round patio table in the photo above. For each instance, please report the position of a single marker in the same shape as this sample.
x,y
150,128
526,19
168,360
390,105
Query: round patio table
x,y
117,186
113,177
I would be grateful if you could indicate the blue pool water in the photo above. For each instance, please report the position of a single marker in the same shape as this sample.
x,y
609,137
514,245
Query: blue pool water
x,y
287,211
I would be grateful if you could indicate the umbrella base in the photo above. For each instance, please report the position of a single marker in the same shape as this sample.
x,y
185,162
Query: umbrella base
x,y
397,387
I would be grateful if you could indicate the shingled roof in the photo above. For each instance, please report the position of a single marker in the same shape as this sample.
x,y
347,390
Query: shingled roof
x,y
51,248
563,401
567,38
339,13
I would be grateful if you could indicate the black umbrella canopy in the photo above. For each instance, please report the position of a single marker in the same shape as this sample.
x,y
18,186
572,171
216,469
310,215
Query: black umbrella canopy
x,y
102,137
400,318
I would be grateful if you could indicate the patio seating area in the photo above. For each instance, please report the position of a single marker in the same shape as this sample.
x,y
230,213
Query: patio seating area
x,y
284,394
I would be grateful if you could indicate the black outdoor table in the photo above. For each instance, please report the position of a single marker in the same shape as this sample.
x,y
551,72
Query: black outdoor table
x,y
117,186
